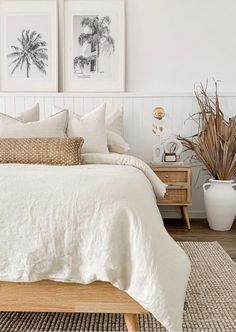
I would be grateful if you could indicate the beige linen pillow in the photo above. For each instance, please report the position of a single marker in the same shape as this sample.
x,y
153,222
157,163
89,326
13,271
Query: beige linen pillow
x,y
114,121
116,143
91,127
54,126
114,127
50,151
29,115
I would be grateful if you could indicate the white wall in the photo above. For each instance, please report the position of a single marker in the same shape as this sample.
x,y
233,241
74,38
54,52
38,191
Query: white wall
x,y
171,44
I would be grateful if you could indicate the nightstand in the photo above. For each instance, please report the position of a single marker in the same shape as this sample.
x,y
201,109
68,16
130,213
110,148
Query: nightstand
x,y
179,190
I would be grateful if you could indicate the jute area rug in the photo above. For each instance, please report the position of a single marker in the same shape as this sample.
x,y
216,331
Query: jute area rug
x,y
210,303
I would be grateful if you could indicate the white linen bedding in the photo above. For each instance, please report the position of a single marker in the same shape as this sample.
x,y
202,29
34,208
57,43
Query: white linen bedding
x,y
97,221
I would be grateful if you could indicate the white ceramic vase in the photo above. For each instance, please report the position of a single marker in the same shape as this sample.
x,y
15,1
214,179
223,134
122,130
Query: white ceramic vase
x,y
220,204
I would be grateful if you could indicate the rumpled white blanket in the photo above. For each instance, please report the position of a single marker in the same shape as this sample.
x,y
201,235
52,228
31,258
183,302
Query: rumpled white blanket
x,y
97,221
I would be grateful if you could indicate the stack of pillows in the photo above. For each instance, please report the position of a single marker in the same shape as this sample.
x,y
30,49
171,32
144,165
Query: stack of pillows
x,y
61,138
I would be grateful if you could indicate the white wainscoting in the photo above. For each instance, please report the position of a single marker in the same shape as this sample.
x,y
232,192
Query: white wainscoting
x,y
137,121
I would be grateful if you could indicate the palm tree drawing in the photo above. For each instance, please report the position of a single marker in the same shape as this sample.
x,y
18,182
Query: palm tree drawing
x,y
81,61
98,36
32,50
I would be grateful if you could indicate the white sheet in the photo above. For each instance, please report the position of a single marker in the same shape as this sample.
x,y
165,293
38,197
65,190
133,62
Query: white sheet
x,y
92,222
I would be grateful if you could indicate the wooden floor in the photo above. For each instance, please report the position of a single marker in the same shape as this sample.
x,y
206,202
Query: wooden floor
x,y
200,232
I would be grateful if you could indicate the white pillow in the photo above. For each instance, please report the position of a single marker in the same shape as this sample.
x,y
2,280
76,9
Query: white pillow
x,y
114,127
55,126
114,122
30,115
92,128
116,143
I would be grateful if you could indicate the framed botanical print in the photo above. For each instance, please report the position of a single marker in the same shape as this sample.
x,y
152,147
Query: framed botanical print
x,y
94,44
29,45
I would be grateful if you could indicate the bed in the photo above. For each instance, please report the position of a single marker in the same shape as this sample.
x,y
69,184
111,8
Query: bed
x,y
89,238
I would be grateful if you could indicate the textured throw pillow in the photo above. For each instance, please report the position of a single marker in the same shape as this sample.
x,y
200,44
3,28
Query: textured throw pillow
x,y
114,128
30,115
50,151
92,128
55,126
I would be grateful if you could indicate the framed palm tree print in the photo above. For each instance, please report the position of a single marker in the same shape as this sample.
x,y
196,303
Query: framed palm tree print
x,y
94,44
29,45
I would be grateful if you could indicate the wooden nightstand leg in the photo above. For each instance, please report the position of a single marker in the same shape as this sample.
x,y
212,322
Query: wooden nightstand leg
x,y
184,211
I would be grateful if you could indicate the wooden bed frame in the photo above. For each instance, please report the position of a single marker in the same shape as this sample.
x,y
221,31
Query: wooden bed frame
x,y
51,296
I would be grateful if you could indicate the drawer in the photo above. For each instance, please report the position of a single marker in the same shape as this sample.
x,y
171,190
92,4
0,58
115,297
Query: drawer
x,y
173,177
176,196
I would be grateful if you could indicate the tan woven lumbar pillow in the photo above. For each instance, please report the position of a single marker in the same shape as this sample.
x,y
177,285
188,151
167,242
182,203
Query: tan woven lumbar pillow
x,y
49,151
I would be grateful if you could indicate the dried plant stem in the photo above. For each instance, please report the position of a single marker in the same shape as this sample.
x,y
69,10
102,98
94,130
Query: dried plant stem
x,y
215,142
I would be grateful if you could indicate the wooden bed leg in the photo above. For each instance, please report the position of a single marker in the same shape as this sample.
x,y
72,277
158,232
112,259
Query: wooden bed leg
x,y
131,321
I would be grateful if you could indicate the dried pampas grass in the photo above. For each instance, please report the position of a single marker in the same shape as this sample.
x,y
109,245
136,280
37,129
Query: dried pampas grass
x,y
215,142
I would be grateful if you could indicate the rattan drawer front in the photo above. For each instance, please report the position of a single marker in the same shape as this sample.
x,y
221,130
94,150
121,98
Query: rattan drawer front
x,y
173,177
179,190
175,196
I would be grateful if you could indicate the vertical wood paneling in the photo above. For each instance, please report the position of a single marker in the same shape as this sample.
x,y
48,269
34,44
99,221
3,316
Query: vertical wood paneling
x,y
19,104
228,104
88,104
78,105
146,127
117,103
41,102
48,104
137,113
97,101
127,111
10,106
68,103
137,127
29,102
109,105
182,109
59,101
2,105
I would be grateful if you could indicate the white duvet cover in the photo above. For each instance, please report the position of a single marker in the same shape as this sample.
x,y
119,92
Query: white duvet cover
x,y
97,221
